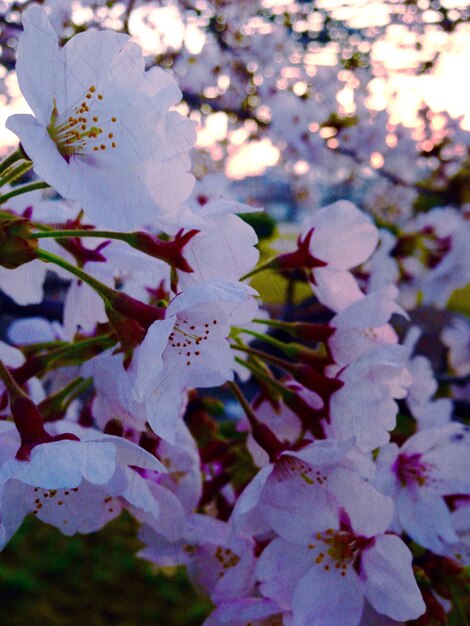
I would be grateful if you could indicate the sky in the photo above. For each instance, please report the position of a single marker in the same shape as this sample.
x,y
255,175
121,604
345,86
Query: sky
x,y
447,88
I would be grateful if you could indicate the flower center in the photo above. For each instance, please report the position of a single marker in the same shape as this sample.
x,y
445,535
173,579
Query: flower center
x,y
289,467
227,559
338,549
410,470
187,338
79,130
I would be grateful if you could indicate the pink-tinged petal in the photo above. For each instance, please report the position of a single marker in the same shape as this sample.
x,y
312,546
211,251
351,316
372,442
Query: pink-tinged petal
x,y
30,330
65,464
225,246
325,598
250,496
164,406
85,509
335,288
246,514
16,503
297,510
388,581
324,452
425,517
279,569
451,468
13,358
371,618
344,236
375,309
369,511
108,193
425,440
38,62
238,580
85,60
212,291
47,161
141,376
83,308
241,611
156,506
25,283
128,453
348,344
138,494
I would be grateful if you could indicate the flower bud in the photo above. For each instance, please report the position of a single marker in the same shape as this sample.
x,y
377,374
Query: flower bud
x,y
169,251
300,258
29,422
15,246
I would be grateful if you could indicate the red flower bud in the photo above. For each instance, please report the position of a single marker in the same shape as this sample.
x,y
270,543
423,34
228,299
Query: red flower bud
x,y
15,246
300,258
29,422
169,251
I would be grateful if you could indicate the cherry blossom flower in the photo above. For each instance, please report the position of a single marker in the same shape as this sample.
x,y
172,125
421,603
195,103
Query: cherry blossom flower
x,y
218,559
72,483
102,132
430,465
337,553
457,338
24,284
259,612
362,325
187,349
341,237
364,407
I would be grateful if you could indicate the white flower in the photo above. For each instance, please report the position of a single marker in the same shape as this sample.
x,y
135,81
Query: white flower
x,y
102,132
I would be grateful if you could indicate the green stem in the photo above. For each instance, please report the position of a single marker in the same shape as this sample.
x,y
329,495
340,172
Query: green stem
x,y
34,348
13,158
269,265
60,234
15,173
60,401
280,345
17,191
237,392
70,351
104,291
261,375
272,323
6,215
458,609
264,356
84,385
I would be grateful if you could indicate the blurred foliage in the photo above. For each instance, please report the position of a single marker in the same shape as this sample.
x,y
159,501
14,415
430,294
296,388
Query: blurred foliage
x,y
460,301
47,579
263,224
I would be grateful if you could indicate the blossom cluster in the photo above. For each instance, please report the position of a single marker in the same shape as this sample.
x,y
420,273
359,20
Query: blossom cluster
x,y
339,492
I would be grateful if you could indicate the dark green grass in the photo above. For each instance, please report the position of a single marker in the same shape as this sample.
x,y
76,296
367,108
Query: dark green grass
x,y
47,579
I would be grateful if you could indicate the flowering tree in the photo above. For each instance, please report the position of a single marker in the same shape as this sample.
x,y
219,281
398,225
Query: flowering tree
x,y
339,490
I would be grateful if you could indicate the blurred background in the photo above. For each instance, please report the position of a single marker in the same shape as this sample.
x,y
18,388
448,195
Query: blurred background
x,y
298,104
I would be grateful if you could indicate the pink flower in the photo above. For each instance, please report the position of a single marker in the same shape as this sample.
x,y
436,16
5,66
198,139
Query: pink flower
x,y
333,552
102,132
430,465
